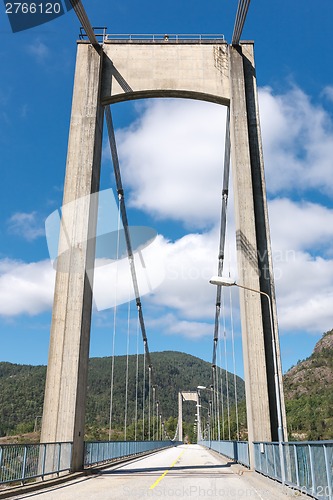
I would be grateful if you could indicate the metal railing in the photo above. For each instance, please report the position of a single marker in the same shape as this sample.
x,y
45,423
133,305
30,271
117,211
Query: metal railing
x,y
308,465
20,462
236,450
105,451
102,37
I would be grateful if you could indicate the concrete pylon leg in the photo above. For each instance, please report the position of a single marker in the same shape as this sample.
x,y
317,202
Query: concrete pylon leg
x,y
265,259
256,387
66,382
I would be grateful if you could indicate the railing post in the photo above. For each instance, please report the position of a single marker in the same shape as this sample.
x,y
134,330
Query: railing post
x,y
59,457
328,473
274,461
314,487
44,460
260,453
296,464
1,455
24,463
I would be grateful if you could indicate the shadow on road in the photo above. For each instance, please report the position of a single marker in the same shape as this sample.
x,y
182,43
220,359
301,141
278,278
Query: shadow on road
x,y
197,469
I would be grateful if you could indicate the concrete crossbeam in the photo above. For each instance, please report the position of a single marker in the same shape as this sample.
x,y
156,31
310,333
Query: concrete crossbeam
x,y
166,70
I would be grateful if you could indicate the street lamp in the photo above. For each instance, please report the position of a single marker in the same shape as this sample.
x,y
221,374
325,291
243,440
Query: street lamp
x,y
215,396
157,413
218,280
199,433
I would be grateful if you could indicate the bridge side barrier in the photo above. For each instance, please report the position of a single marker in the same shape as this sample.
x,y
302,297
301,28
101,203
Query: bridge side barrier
x,y
308,465
20,462
103,451
236,450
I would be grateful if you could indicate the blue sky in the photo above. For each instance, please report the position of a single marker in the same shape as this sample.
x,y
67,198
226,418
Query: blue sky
x,y
295,79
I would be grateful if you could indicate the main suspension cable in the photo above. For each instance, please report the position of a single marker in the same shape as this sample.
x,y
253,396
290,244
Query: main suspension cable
x,y
225,194
224,207
120,191
243,6
116,167
84,20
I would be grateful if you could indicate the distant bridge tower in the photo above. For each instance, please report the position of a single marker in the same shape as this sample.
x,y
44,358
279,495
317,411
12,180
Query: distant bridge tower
x,y
188,396
204,69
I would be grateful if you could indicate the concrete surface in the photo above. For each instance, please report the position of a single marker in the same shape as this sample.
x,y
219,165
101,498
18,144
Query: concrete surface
x,y
187,471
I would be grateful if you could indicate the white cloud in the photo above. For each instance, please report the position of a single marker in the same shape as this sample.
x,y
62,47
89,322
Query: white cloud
x,y
298,142
328,92
305,293
303,265
189,264
304,282
25,288
113,281
170,324
38,49
301,226
172,157
172,160
26,225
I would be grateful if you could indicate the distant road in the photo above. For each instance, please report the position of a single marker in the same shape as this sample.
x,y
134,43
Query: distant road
x,y
187,471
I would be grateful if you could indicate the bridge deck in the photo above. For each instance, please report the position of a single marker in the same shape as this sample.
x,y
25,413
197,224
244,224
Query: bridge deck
x,y
187,471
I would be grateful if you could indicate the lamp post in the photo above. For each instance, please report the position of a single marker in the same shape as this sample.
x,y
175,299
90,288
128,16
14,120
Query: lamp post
x,y
36,422
204,424
199,433
154,397
214,394
219,281
157,417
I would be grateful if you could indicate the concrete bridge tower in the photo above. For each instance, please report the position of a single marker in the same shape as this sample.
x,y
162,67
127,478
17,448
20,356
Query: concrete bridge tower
x,y
204,69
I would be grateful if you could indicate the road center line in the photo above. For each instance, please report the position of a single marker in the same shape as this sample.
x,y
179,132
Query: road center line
x,y
165,473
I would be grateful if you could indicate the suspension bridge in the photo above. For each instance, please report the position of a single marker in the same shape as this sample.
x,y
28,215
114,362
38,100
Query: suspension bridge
x,y
112,69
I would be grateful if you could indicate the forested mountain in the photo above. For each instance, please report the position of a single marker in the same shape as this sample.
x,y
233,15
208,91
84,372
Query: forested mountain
x,y
307,386
21,397
309,393
22,391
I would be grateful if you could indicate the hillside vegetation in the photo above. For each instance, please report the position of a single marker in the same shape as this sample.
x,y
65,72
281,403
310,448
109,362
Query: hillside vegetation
x,y
308,389
22,391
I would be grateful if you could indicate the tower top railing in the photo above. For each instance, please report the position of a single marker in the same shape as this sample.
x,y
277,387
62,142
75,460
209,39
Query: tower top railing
x,y
104,37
